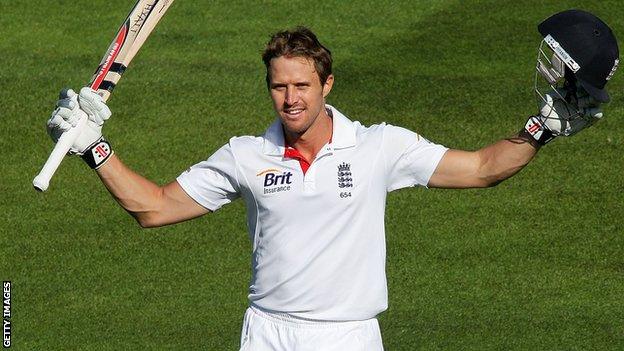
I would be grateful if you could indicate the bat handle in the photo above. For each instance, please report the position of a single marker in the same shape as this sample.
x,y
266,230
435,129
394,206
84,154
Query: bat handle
x,y
64,143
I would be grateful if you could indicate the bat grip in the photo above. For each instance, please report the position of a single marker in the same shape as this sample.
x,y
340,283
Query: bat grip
x,y
64,143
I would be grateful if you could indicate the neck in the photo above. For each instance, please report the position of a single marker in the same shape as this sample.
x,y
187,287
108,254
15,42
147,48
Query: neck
x,y
310,142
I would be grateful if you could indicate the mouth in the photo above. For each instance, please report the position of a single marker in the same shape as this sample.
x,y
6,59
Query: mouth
x,y
293,112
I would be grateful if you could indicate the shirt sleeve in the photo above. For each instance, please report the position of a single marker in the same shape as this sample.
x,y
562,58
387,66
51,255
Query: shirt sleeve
x,y
410,158
213,182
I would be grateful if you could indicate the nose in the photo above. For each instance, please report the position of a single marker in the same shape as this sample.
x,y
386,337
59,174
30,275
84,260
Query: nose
x,y
292,95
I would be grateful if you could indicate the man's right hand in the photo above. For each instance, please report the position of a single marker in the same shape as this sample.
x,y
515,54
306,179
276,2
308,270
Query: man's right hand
x,y
71,108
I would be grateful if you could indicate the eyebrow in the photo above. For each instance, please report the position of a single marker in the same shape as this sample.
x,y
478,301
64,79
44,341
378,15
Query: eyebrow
x,y
297,84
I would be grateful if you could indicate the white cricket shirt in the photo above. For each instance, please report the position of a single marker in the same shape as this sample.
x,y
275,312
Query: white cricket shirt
x,y
318,238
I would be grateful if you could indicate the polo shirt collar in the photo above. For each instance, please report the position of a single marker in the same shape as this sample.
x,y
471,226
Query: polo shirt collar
x,y
274,143
343,134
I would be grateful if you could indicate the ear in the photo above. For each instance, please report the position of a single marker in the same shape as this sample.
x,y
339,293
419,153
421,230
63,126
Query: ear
x,y
327,87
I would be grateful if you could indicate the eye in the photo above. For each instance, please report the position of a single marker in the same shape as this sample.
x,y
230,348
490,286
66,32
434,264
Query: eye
x,y
302,86
278,87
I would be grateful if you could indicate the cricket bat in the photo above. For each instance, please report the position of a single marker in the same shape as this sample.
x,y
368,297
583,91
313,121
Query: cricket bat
x,y
131,35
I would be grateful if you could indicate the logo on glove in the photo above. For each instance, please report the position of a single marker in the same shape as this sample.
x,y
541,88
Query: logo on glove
x,y
100,152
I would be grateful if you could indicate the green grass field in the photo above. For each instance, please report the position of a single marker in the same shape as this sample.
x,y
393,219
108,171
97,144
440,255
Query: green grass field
x,y
536,263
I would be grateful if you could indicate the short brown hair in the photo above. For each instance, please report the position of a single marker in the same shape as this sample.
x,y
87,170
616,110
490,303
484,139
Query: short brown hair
x,y
298,42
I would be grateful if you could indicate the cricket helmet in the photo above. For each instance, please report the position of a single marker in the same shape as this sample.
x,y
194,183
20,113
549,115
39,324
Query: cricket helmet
x,y
584,48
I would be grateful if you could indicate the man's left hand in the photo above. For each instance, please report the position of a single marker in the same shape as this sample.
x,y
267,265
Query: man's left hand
x,y
569,118
563,115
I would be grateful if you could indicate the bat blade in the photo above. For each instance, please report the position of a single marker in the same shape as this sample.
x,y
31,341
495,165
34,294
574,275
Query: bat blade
x,y
130,37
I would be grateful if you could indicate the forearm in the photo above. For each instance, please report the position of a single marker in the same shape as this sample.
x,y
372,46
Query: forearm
x,y
151,205
136,194
505,158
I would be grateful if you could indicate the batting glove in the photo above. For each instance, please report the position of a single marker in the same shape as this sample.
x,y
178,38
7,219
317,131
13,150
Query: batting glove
x,y
72,108
560,117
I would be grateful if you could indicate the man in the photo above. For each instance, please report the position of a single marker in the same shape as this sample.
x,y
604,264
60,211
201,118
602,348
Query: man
x,y
314,186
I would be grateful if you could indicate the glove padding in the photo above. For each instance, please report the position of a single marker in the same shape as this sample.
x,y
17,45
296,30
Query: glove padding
x,y
71,108
563,118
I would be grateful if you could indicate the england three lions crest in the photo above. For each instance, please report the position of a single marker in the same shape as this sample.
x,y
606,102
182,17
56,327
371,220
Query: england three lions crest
x,y
345,177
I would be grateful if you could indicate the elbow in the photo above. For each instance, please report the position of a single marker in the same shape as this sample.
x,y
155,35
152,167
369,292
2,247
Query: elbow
x,y
145,220
489,178
493,182
147,207
483,183
488,181
145,224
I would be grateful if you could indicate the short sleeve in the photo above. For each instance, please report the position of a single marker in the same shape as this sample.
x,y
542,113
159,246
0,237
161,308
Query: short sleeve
x,y
214,182
410,158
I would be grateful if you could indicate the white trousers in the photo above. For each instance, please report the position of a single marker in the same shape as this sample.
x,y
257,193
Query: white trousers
x,y
265,331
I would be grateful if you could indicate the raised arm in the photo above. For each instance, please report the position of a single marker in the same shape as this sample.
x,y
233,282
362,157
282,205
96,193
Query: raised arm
x,y
485,167
493,164
151,205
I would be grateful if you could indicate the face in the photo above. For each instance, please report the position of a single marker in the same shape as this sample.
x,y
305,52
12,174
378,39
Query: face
x,y
297,94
